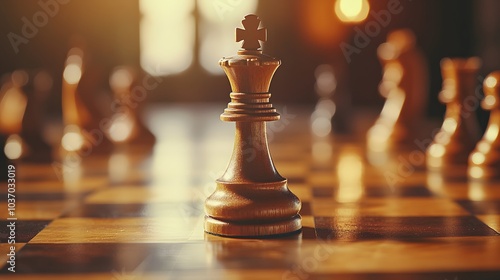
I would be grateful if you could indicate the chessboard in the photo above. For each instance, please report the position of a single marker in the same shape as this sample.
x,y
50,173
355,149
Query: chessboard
x,y
138,214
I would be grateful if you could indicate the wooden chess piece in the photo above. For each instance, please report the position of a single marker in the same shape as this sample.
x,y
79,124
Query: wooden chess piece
x,y
404,85
251,198
450,149
331,113
484,162
75,116
126,124
4,161
38,90
13,103
83,120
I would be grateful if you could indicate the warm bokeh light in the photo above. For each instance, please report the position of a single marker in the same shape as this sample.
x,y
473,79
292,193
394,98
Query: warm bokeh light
x,y
72,139
449,125
217,30
121,79
168,30
73,69
166,36
490,82
478,158
121,128
350,174
476,172
489,101
352,10
72,74
13,147
476,191
437,150
435,153
326,82
321,126
492,132
12,107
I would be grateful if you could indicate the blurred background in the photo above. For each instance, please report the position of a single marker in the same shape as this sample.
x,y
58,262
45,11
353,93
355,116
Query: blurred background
x,y
182,41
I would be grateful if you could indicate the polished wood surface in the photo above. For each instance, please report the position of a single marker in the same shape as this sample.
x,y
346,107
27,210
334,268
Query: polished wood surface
x,y
138,214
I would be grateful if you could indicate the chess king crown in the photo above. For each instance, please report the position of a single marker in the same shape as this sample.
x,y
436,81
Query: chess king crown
x,y
250,73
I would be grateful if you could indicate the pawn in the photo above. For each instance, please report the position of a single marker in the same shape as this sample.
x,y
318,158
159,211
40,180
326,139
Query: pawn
x,y
484,162
450,149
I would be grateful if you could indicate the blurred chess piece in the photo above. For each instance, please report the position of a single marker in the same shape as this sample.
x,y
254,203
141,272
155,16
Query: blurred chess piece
x,y
82,117
12,108
37,89
450,149
4,161
126,124
332,108
404,85
484,162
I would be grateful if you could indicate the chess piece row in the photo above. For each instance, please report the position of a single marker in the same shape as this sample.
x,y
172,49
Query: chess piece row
x,y
455,150
455,147
23,114
88,128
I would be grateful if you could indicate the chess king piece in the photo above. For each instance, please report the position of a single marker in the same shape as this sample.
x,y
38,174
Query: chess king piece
x,y
404,85
251,198
484,162
450,149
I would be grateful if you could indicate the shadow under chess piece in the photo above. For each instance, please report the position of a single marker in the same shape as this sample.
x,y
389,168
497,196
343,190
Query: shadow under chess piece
x,y
126,124
251,198
404,85
484,162
450,149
